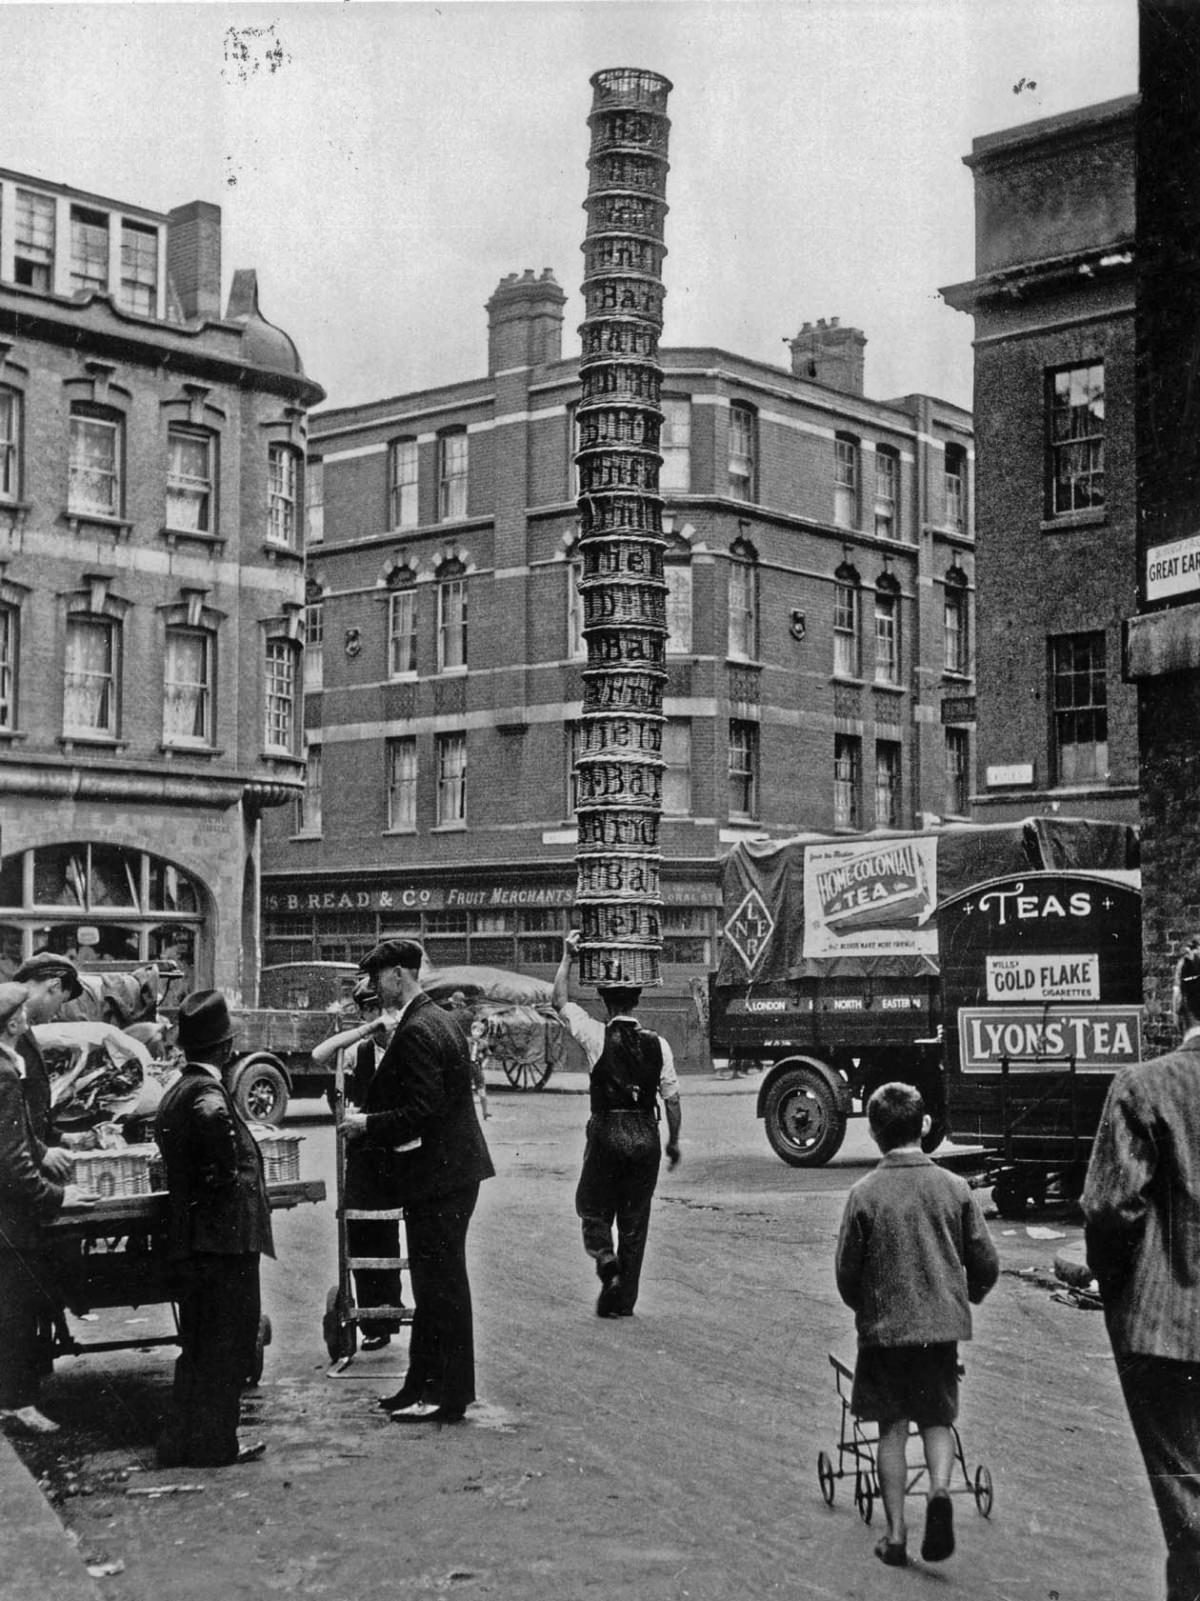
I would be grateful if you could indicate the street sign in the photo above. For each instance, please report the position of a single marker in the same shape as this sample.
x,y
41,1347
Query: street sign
x,y
1173,569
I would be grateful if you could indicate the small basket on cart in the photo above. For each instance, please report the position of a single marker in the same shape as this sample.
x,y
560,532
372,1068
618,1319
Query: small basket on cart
x,y
856,1456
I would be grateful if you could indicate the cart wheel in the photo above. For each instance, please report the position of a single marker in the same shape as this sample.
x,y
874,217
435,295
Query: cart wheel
x,y
341,1336
261,1340
864,1496
526,1075
825,1477
983,1491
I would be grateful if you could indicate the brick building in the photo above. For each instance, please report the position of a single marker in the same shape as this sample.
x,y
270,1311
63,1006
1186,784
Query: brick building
x,y
151,583
821,581
1053,303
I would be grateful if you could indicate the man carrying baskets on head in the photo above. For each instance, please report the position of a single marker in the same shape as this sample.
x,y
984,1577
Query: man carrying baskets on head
x,y
629,1069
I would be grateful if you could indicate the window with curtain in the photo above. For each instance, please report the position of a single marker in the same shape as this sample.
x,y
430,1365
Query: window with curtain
x,y
402,784
403,484
847,624
1076,428
679,607
675,445
743,605
452,476
280,709
188,687
451,779
955,625
743,768
139,268
90,698
282,493
887,784
9,638
89,249
741,451
957,796
402,633
10,444
452,619
956,488
94,466
314,501
314,645
847,781
309,806
189,480
887,636
677,767
887,493
845,481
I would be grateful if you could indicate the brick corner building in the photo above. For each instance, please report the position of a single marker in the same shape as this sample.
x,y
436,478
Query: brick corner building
x,y
1053,303
820,572
152,457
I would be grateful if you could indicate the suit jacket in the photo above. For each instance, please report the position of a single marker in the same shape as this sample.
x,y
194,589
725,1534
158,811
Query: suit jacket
x,y
217,1191
37,1090
421,1092
1141,1203
27,1197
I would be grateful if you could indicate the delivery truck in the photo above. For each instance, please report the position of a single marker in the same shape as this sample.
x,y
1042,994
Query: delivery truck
x,y
995,966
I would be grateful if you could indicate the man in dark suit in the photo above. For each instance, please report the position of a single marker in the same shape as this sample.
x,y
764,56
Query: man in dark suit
x,y
1141,1203
420,1108
219,1223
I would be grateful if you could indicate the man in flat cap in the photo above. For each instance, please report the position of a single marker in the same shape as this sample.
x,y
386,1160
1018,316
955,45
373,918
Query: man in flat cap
x,y
51,981
219,1223
419,1107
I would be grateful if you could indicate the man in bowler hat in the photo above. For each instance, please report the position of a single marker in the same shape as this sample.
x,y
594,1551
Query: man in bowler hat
x,y
219,1223
419,1107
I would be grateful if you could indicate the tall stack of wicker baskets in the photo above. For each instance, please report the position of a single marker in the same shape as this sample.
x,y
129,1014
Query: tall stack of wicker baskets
x,y
619,764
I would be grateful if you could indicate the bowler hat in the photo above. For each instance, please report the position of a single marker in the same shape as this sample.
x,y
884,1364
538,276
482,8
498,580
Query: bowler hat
x,y
203,1021
404,953
12,996
48,964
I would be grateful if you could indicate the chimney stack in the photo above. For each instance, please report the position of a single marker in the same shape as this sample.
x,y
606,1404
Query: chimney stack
x,y
194,259
829,354
525,318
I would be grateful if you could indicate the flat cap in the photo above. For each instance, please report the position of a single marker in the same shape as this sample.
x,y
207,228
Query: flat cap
x,y
48,964
404,953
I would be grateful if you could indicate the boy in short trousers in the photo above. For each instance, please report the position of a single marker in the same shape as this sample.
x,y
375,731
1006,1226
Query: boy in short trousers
x,y
912,1254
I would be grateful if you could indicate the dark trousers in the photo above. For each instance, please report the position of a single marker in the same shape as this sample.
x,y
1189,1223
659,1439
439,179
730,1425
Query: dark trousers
x,y
27,1302
441,1352
1163,1398
616,1185
219,1310
367,1186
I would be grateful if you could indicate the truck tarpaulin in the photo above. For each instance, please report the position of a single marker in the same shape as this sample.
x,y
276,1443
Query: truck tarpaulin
x,y
825,906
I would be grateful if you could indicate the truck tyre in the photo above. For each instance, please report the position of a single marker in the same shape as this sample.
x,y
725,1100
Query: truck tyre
x,y
804,1123
260,1093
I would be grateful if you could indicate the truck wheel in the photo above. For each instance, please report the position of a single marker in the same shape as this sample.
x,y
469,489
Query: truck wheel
x,y
260,1094
803,1121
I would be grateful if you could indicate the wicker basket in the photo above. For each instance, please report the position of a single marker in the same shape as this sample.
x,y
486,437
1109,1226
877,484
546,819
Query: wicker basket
x,y
280,1154
113,1173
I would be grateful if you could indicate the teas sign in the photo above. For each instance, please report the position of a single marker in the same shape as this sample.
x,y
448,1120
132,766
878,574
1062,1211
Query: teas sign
x,y
1100,1038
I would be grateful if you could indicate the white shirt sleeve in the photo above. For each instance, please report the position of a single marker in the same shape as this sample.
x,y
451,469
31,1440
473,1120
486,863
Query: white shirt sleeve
x,y
585,1029
668,1084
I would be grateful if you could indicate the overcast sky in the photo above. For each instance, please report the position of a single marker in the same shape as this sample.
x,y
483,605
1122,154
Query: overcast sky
x,y
384,165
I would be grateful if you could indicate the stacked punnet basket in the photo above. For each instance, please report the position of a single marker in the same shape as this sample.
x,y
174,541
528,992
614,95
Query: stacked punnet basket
x,y
619,765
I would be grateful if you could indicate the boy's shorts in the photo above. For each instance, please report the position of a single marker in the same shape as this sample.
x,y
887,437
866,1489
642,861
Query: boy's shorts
x,y
914,1382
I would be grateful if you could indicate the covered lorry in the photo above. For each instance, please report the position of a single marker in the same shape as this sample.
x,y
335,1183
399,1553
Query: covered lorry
x,y
975,961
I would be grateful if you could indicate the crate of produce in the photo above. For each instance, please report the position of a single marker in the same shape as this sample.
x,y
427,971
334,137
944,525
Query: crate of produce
x,y
280,1154
108,1173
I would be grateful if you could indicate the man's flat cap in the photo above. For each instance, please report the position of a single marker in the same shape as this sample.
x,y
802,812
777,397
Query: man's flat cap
x,y
47,964
404,953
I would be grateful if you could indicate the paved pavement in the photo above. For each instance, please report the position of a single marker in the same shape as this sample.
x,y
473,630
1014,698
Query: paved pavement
x,y
38,1556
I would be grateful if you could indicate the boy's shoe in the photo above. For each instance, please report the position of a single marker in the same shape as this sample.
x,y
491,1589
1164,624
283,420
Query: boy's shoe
x,y
938,1543
608,1302
892,1553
